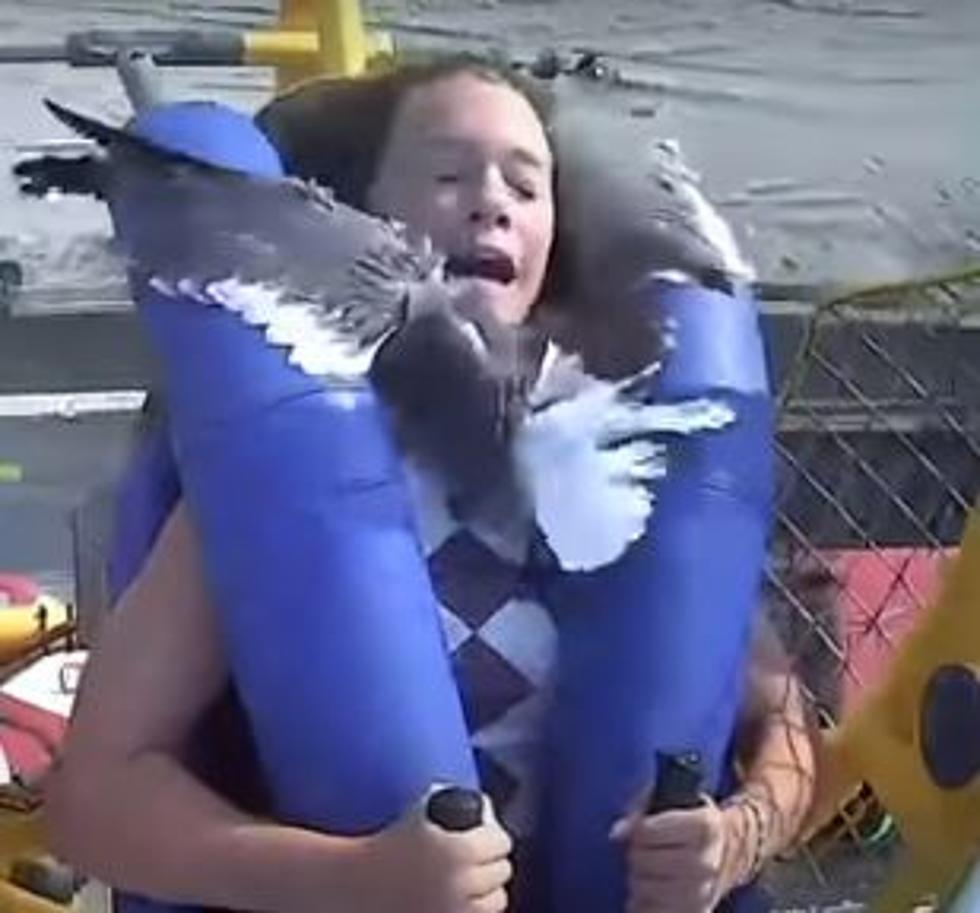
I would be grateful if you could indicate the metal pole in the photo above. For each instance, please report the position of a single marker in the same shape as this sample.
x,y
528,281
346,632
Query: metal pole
x,y
11,281
140,79
344,48
32,53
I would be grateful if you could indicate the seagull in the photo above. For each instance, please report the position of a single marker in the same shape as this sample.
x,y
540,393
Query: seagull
x,y
504,415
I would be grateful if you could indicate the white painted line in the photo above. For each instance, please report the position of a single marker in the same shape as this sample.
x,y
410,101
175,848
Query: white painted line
x,y
70,405
57,145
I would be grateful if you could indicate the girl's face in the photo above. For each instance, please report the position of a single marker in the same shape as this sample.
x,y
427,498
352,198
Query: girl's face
x,y
468,164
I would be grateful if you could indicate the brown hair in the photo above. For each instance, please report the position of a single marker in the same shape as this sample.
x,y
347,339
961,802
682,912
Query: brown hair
x,y
335,131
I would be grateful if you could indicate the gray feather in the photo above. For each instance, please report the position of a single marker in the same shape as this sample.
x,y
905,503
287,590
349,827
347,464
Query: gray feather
x,y
189,225
632,222
343,291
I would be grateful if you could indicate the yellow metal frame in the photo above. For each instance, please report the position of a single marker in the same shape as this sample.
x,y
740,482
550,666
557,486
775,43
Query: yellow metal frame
x,y
880,743
14,900
317,38
23,628
21,836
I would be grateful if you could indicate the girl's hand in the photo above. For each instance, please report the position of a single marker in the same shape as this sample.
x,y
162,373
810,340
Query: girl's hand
x,y
687,861
416,865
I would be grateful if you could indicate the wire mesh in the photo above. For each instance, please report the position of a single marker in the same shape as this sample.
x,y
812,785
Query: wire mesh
x,y
878,451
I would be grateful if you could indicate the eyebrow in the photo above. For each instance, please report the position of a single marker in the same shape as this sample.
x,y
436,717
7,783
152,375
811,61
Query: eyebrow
x,y
518,153
528,158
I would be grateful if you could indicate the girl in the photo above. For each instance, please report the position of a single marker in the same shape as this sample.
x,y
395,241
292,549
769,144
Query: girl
x,y
460,152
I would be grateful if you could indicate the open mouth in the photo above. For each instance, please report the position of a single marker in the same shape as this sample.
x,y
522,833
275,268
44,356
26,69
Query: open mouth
x,y
495,267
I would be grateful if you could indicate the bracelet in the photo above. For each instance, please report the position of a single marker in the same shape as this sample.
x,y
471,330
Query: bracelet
x,y
752,804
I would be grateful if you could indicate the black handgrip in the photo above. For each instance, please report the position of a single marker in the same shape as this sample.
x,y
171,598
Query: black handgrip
x,y
38,176
680,780
455,808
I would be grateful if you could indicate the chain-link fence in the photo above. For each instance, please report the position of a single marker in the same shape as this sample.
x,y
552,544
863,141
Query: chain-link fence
x,y
879,464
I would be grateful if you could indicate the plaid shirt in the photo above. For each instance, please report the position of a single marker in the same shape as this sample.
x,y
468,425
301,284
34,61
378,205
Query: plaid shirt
x,y
502,643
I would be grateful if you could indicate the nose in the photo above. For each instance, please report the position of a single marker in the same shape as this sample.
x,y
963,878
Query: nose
x,y
490,205
492,217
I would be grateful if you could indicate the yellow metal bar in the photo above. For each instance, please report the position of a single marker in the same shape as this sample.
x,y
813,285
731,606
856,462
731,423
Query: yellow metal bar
x,y
340,29
343,42
300,51
22,628
21,834
294,49
316,38
880,743
14,900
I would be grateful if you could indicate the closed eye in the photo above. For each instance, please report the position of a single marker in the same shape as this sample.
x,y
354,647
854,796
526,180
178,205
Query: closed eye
x,y
523,182
527,192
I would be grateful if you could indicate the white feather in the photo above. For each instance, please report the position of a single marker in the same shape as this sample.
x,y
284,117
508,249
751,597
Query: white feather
x,y
314,344
719,233
561,376
292,326
190,289
583,468
163,287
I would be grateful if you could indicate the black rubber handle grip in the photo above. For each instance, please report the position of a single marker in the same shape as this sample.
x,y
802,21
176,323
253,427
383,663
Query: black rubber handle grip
x,y
455,808
680,780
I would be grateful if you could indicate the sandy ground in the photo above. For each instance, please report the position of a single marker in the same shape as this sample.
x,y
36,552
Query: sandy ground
x,y
839,136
